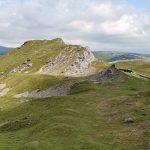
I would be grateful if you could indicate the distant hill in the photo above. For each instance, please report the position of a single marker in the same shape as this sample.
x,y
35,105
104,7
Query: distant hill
x,y
4,50
120,56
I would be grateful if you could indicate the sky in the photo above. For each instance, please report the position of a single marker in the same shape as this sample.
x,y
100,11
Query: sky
x,y
102,25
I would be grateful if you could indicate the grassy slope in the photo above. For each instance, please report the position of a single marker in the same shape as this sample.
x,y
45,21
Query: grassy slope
x,y
37,51
100,65
91,118
19,83
142,67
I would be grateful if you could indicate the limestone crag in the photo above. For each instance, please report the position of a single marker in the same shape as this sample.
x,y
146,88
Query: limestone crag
x,y
3,90
73,60
82,65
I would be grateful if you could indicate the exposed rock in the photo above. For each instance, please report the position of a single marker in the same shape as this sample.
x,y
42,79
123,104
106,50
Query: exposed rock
x,y
72,61
2,86
1,73
128,120
111,74
59,90
82,65
4,92
23,67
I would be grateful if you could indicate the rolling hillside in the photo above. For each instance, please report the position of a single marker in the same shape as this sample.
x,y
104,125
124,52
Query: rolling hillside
x,y
47,101
142,67
120,56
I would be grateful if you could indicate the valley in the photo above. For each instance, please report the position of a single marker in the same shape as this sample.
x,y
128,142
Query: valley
x,y
112,56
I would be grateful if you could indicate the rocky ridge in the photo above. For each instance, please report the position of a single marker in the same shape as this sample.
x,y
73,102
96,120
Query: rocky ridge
x,y
3,90
73,60
111,74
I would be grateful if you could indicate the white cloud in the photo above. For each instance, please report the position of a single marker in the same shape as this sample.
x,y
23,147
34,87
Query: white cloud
x,y
102,25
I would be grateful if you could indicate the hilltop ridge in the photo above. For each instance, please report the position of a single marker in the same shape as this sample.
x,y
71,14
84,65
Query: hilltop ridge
x,y
52,57
49,65
58,96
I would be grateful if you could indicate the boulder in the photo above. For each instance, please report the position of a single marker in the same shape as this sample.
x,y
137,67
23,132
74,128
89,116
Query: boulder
x,y
111,74
128,120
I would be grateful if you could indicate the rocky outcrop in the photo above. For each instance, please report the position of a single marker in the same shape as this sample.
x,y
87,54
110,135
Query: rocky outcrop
x,y
59,90
3,90
2,86
111,74
128,120
72,61
27,64
81,66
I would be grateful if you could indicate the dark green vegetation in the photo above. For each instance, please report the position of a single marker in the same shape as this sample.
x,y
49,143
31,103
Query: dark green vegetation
x,y
119,56
90,118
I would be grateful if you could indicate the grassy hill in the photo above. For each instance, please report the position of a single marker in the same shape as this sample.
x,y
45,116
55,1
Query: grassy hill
x,y
90,117
33,55
142,67
119,56
4,50
37,51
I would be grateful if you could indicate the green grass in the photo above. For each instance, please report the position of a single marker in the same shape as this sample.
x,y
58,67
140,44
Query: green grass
x,y
99,66
38,51
90,118
142,67
19,83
